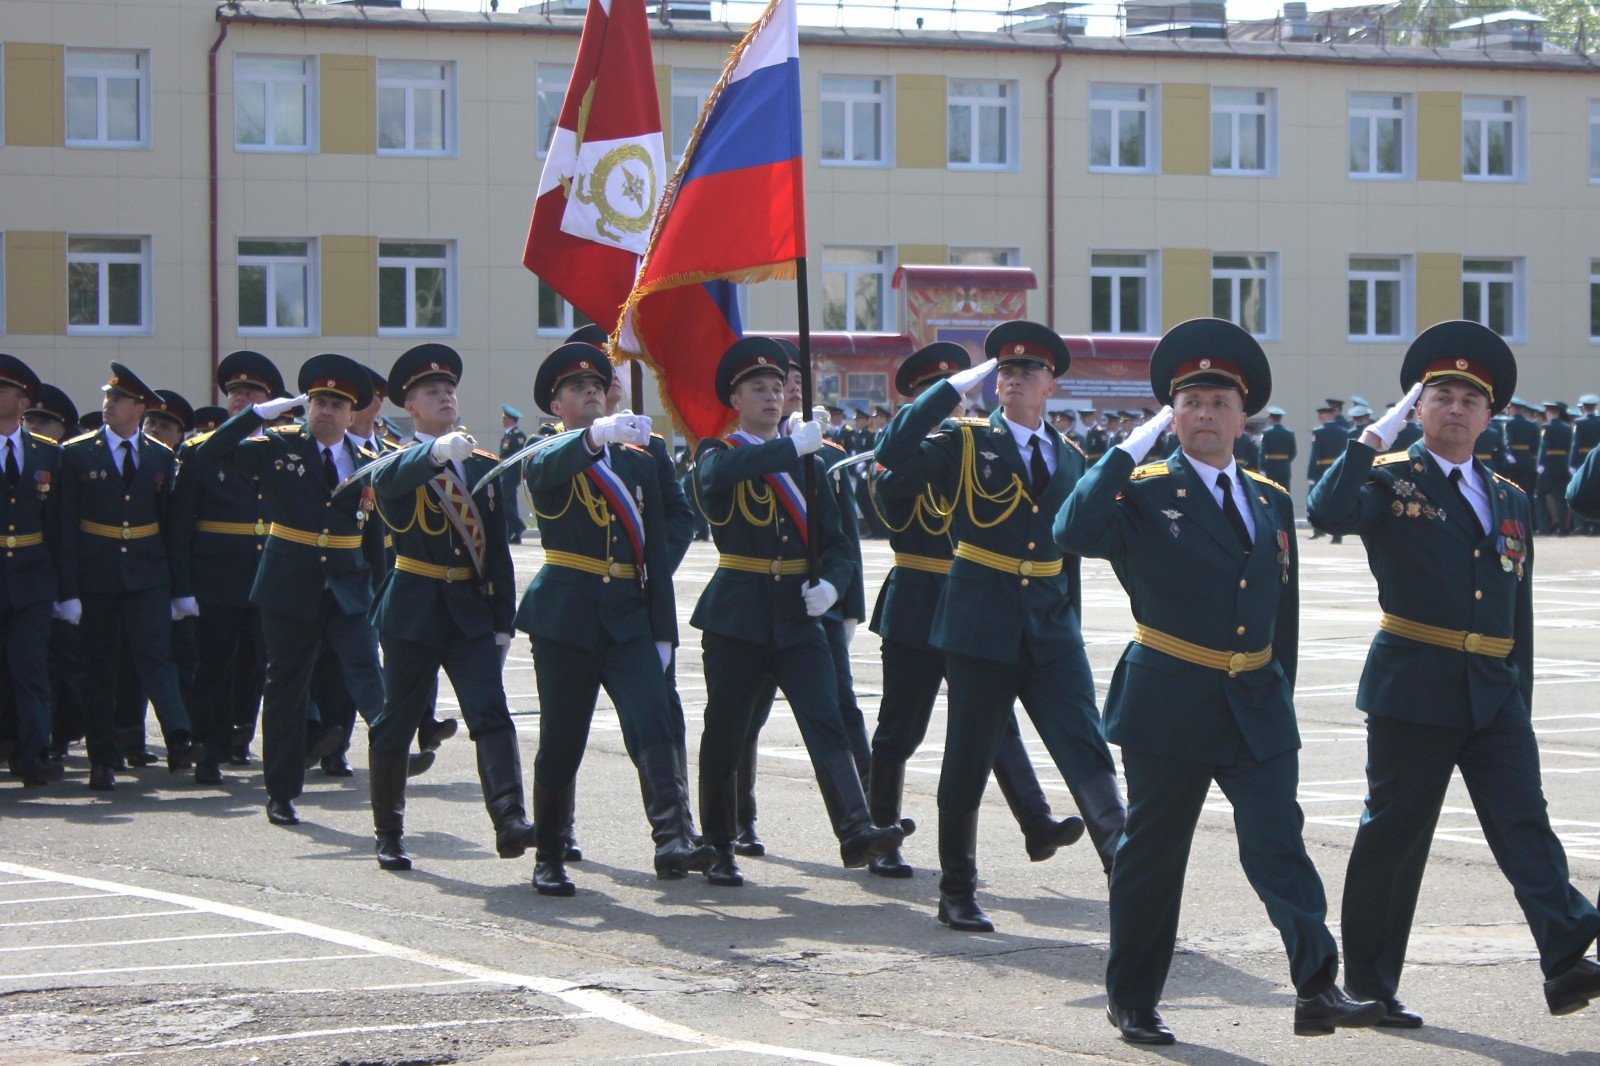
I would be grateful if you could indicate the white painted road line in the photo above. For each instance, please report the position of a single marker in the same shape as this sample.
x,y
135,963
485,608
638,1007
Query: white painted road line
x,y
359,1030
149,940
94,918
230,964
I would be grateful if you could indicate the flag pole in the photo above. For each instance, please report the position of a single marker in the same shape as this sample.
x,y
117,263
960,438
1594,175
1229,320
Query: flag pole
x,y
803,300
637,381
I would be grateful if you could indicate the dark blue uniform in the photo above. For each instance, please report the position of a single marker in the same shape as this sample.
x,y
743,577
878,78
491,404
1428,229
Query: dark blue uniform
x,y
1522,452
1278,453
1555,469
28,586
512,441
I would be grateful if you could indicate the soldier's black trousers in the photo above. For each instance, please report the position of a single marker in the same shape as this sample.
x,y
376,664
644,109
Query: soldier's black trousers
x,y
570,679
844,688
411,679
26,632
228,677
735,671
911,680
146,617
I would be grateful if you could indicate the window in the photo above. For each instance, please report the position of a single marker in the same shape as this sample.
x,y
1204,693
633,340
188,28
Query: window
x,y
1243,291
1120,128
1242,140
867,388
556,316
1491,293
277,286
690,91
1594,299
1378,298
107,286
550,92
274,101
108,99
414,287
1120,300
416,103
982,126
1378,135
1594,140
988,257
855,287
855,114
1489,146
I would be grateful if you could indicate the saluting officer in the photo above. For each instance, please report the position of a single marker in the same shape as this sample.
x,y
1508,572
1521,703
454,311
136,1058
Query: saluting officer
x,y
1448,683
512,440
1203,696
1009,619
447,604
1278,449
118,572
1327,444
314,584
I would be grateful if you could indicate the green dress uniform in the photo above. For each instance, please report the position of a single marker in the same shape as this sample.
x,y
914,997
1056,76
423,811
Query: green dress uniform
x,y
1245,451
1555,470
1585,439
1583,491
1278,453
1490,448
1448,683
1522,450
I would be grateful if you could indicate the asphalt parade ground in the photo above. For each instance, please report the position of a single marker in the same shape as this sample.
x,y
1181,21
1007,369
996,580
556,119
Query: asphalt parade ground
x,y
170,923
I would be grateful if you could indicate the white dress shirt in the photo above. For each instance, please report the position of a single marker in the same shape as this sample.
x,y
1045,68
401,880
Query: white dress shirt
x,y
1471,486
14,443
1241,496
116,443
1024,436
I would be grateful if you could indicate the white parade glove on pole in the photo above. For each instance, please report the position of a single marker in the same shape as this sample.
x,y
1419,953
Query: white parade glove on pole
x,y
806,437
69,611
1387,428
965,379
819,596
1141,440
452,447
270,409
622,428
184,607
664,652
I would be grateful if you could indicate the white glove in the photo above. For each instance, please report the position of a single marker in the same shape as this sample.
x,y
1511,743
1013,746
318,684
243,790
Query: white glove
x,y
820,595
270,409
1387,428
1141,440
69,611
502,640
664,650
806,437
965,379
452,447
850,625
184,607
792,423
621,428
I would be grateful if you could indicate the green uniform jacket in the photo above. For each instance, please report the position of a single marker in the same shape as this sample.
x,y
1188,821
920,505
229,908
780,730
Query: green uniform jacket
x,y
985,612
572,606
92,491
1187,577
678,515
1585,438
1555,456
1433,568
412,606
1490,447
1278,452
755,607
853,599
29,575
1583,491
909,597
220,567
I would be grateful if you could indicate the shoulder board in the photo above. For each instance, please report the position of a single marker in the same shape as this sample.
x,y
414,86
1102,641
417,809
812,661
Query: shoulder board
x,y
160,444
198,439
82,436
638,448
1074,445
1502,479
41,438
1149,470
826,443
659,437
294,427
259,436
1390,458
485,455
1265,480
970,421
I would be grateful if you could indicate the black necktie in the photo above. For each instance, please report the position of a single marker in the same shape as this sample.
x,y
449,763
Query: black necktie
x,y
1037,468
1466,504
330,472
1230,511
128,469
13,472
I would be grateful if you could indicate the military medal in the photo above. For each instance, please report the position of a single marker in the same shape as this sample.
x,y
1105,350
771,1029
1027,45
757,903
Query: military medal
x,y
1283,555
41,480
1512,544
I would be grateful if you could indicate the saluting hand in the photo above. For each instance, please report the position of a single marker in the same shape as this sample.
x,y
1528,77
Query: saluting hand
x,y
1386,429
1141,440
270,409
965,379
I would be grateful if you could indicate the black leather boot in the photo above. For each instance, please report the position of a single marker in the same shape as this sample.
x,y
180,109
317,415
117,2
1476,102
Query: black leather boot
x,y
386,776
1042,834
574,853
884,787
664,803
859,840
552,813
1099,799
719,812
958,876
746,842
500,774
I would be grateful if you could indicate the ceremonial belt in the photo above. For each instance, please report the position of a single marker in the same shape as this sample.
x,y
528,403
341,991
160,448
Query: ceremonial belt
x,y
603,567
26,540
922,562
1456,639
434,570
1280,458
1235,662
315,540
119,532
243,529
1324,462
750,565
1006,564
1520,447
1555,451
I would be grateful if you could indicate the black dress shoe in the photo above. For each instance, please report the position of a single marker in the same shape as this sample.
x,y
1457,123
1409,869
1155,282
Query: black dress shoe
x,y
858,849
1043,840
890,865
962,913
102,778
1397,1016
57,752
337,766
747,843
140,757
281,812
320,743
724,870
573,852
1319,1015
418,764
513,837
1572,990
392,852
240,756
550,879
1140,1026
207,772
184,754
39,772
431,734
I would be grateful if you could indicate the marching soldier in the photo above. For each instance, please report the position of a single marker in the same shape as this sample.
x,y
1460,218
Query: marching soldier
x,y
1245,450
1327,444
1009,619
52,414
1522,447
512,440
1555,468
1448,683
1203,696
118,574
1583,491
1490,447
1277,449
1095,442
448,603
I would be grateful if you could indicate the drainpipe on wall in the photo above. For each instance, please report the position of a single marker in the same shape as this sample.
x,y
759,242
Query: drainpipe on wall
x,y
1049,194
211,116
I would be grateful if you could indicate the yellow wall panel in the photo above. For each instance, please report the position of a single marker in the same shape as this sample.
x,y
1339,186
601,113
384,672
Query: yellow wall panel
x,y
36,282
921,108
349,110
1185,285
1185,129
1438,288
35,95
349,286
922,254
664,100
1439,136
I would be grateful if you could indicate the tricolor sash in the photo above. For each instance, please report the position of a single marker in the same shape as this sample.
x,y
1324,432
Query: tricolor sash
x,y
622,504
788,493
461,510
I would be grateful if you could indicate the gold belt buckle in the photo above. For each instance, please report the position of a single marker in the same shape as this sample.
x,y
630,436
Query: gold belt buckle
x,y
322,540
127,534
1236,663
261,528
614,569
1025,567
776,567
1472,642
11,542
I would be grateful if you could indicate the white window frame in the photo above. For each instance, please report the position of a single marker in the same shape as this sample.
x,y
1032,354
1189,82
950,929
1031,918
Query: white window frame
x,y
1400,276
411,86
1594,142
313,301
1516,277
689,84
975,105
141,258
78,63
1268,110
410,264
569,319
851,272
1268,275
959,253
1115,109
1518,122
883,100
550,81
1373,116
1149,272
2,266
307,80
